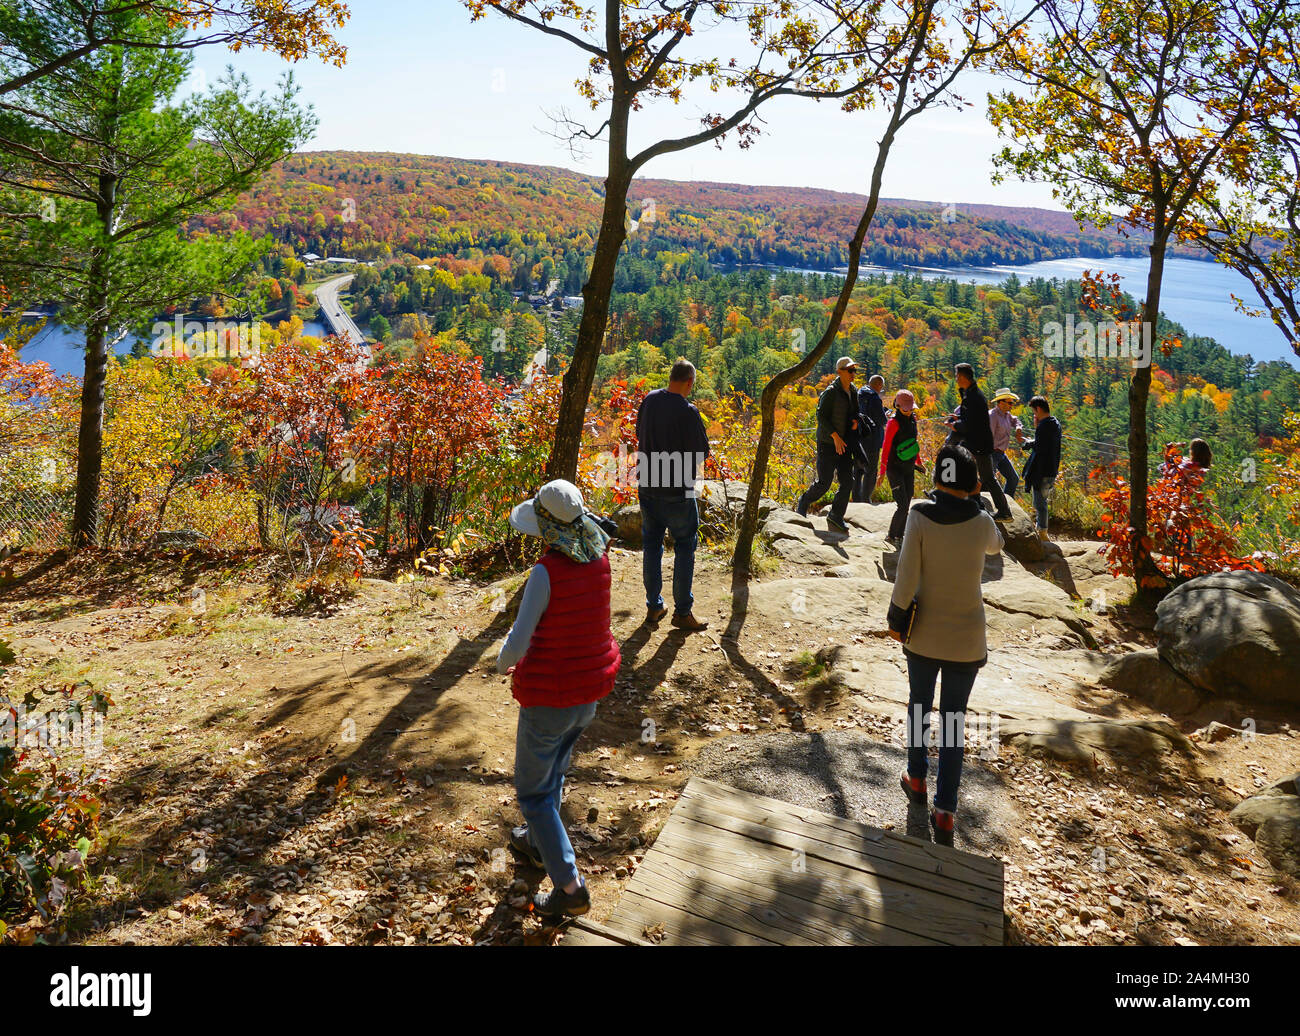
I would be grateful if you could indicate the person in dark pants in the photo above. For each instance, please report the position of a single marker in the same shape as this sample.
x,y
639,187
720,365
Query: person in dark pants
x,y
939,574
1006,426
672,446
900,460
871,434
1044,460
970,426
837,438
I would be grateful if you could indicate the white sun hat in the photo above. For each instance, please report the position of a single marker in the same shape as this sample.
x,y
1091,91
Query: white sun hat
x,y
561,499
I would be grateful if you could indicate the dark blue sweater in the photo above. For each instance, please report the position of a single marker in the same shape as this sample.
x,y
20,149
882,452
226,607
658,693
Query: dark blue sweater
x,y
1044,451
672,443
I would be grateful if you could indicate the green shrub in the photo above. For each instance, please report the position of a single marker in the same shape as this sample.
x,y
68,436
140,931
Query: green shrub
x,y
49,822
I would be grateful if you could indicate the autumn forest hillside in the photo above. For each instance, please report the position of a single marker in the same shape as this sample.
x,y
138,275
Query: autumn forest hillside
x,y
371,205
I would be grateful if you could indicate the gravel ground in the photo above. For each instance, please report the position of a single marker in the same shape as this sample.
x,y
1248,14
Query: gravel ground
x,y
846,774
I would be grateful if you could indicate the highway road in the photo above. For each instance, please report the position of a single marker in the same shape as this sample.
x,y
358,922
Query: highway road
x,y
336,318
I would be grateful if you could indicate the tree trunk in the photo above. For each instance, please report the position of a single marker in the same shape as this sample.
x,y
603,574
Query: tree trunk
x,y
740,559
1139,391
388,496
581,373
430,499
90,434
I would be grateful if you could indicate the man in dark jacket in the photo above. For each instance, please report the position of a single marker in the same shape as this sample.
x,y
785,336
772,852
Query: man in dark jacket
x,y
837,430
671,448
970,427
871,434
1044,460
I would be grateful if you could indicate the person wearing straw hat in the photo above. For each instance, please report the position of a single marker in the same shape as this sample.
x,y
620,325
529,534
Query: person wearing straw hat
x,y
837,444
562,658
1005,424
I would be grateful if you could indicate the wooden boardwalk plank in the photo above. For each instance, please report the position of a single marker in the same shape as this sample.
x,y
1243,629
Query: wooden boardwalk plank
x,y
731,868
582,931
830,890
892,864
768,910
636,913
980,870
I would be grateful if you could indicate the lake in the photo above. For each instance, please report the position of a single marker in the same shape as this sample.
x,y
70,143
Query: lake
x,y
62,347
1195,294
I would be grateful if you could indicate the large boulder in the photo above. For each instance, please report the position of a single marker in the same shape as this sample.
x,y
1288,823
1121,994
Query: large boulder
x,y
1080,740
1272,818
722,503
178,538
1234,634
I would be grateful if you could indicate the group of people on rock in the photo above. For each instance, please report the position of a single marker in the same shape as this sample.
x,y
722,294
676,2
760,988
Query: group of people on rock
x,y
860,446
562,654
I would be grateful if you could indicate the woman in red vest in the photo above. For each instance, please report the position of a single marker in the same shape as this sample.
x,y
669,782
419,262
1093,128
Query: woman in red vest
x,y
564,659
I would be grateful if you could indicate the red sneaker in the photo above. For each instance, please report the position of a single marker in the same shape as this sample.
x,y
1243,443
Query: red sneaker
x,y
944,824
913,788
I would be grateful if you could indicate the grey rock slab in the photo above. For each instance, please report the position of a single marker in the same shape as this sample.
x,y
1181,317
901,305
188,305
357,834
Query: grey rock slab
x,y
848,775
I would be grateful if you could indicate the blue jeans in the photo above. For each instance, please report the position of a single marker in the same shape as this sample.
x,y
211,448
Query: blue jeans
x,y
1041,489
543,747
1008,470
958,679
681,517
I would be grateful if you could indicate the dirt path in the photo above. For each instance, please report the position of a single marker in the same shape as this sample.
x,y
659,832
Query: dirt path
x,y
290,779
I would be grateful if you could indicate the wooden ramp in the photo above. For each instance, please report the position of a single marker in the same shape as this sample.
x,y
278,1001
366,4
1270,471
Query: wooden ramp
x,y
731,868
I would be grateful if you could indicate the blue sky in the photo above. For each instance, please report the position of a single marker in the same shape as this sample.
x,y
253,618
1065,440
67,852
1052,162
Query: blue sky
x,y
421,78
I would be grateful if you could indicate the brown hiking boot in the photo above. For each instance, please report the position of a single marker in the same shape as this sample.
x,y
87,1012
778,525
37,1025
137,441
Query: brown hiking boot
x,y
689,623
654,615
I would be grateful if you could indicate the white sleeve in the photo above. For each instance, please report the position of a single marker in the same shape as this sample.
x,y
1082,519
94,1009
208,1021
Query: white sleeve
x,y
537,595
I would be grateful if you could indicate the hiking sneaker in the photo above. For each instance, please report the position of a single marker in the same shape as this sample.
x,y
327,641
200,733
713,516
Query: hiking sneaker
x,y
943,824
558,904
913,788
654,615
1002,516
519,843
689,623
837,523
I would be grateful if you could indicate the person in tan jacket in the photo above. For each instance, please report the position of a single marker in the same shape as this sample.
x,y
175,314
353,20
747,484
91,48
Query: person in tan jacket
x,y
937,613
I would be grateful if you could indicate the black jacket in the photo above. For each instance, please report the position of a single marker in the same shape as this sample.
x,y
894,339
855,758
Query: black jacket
x,y
836,411
871,412
670,434
972,424
1044,451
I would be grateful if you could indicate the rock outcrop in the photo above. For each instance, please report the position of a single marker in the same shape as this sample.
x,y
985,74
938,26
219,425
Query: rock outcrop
x,y
1234,635
1272,819
1146,676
